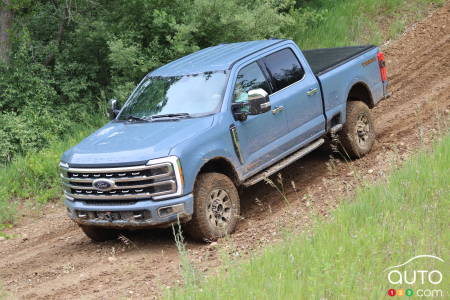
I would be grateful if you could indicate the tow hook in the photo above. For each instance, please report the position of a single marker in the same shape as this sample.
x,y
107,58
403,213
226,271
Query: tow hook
x,y
108,216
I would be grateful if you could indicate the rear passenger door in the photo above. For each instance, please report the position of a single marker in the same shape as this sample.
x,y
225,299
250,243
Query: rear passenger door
x,y
299,93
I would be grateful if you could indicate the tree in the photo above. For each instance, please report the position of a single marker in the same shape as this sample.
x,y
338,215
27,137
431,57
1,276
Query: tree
x,y
6,19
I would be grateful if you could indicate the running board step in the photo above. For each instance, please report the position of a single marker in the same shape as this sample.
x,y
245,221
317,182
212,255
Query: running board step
x,y
285,162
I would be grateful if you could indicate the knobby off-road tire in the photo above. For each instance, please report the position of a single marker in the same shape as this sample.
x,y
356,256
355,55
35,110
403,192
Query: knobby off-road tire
x,y
99,234
216,207
358,133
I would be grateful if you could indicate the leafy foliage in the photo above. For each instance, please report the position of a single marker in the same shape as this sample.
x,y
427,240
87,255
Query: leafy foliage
x,y
69,56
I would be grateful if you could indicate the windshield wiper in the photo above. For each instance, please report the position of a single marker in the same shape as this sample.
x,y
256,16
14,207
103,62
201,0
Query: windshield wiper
x,y
135,118
177,116
162,117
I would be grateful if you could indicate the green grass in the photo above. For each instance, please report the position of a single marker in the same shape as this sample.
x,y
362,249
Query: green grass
x,y
344,257
3,295
35,176
335,23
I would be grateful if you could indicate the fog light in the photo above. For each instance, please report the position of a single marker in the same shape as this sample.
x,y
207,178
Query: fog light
x,y
82,215
170,210
137,215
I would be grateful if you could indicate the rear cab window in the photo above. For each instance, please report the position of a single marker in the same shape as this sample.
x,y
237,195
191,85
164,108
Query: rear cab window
x,y
284,68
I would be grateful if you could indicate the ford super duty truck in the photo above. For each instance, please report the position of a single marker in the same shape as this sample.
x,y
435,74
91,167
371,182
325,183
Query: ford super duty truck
x,y
228,116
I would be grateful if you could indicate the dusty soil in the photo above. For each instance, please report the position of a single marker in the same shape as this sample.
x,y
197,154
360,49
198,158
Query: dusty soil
x,y
51,259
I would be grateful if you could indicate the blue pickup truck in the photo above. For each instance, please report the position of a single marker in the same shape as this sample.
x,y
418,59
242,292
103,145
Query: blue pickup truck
x,y
195,130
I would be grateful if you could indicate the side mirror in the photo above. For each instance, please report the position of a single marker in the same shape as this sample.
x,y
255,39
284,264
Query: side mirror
x,y
113,109
258,102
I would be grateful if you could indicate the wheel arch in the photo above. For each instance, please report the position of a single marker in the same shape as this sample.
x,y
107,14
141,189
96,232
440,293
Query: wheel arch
x,y
361,91
222,165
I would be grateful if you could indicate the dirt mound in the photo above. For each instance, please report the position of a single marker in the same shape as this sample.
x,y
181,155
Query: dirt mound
x,y
52,259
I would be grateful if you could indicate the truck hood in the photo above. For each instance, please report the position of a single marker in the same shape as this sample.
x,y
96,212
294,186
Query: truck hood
x,y
125,143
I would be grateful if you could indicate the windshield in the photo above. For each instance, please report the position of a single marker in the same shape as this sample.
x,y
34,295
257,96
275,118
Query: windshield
x,y
196,95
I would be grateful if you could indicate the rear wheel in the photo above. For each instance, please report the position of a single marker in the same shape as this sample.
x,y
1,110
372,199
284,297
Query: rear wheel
x,y
216,207
358,134
99,234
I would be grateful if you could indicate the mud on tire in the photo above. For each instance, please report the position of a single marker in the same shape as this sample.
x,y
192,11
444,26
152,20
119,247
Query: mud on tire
x,y
216,207
358,134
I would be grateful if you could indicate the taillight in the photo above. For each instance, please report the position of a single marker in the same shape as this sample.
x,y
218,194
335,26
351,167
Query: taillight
x,y
382,65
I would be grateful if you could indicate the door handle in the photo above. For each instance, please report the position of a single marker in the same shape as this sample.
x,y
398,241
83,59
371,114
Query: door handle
x,y
277,109
311,92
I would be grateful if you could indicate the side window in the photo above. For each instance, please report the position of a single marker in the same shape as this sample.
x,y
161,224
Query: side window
x,y
284,68
249,77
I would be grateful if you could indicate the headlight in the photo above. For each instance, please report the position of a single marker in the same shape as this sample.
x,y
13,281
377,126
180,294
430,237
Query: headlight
x,y
63,165
170,168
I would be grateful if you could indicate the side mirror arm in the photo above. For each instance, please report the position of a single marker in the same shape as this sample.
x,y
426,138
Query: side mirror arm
x,y
238,114
113,111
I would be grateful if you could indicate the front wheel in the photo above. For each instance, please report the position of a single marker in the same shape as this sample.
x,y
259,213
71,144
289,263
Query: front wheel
x,y
358,134
216,207
99,234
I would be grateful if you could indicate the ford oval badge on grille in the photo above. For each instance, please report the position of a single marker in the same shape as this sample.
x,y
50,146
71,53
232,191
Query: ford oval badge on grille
x,y
103,184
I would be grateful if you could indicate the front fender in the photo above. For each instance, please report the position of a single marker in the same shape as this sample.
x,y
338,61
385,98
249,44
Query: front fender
x,y
195,153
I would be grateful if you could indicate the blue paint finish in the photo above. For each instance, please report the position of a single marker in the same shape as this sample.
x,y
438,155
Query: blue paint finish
x,y
216,58
214,143
337,83
264,139
126,142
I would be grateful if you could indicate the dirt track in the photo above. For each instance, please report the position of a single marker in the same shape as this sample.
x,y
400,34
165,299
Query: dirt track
x,y
52,259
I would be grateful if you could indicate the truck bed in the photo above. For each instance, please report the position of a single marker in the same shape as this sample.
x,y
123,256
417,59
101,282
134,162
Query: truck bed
x,y
324,60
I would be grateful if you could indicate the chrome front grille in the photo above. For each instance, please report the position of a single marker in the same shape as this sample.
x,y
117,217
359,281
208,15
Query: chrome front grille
x,y
124,183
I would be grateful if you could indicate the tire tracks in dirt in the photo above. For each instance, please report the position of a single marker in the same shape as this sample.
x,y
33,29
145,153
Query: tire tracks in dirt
x,y
52,259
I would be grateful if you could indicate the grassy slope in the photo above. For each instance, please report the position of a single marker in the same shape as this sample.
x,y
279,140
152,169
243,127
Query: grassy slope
x,y
353,22
3,294
344,257
35,176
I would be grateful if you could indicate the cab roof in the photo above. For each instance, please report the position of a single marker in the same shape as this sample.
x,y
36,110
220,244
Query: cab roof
x,y
216,58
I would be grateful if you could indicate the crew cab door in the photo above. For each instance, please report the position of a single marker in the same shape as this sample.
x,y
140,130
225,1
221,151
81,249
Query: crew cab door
x,y
299,91
258,134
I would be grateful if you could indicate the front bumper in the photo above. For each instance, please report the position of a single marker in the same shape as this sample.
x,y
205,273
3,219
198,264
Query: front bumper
x,y
142,214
